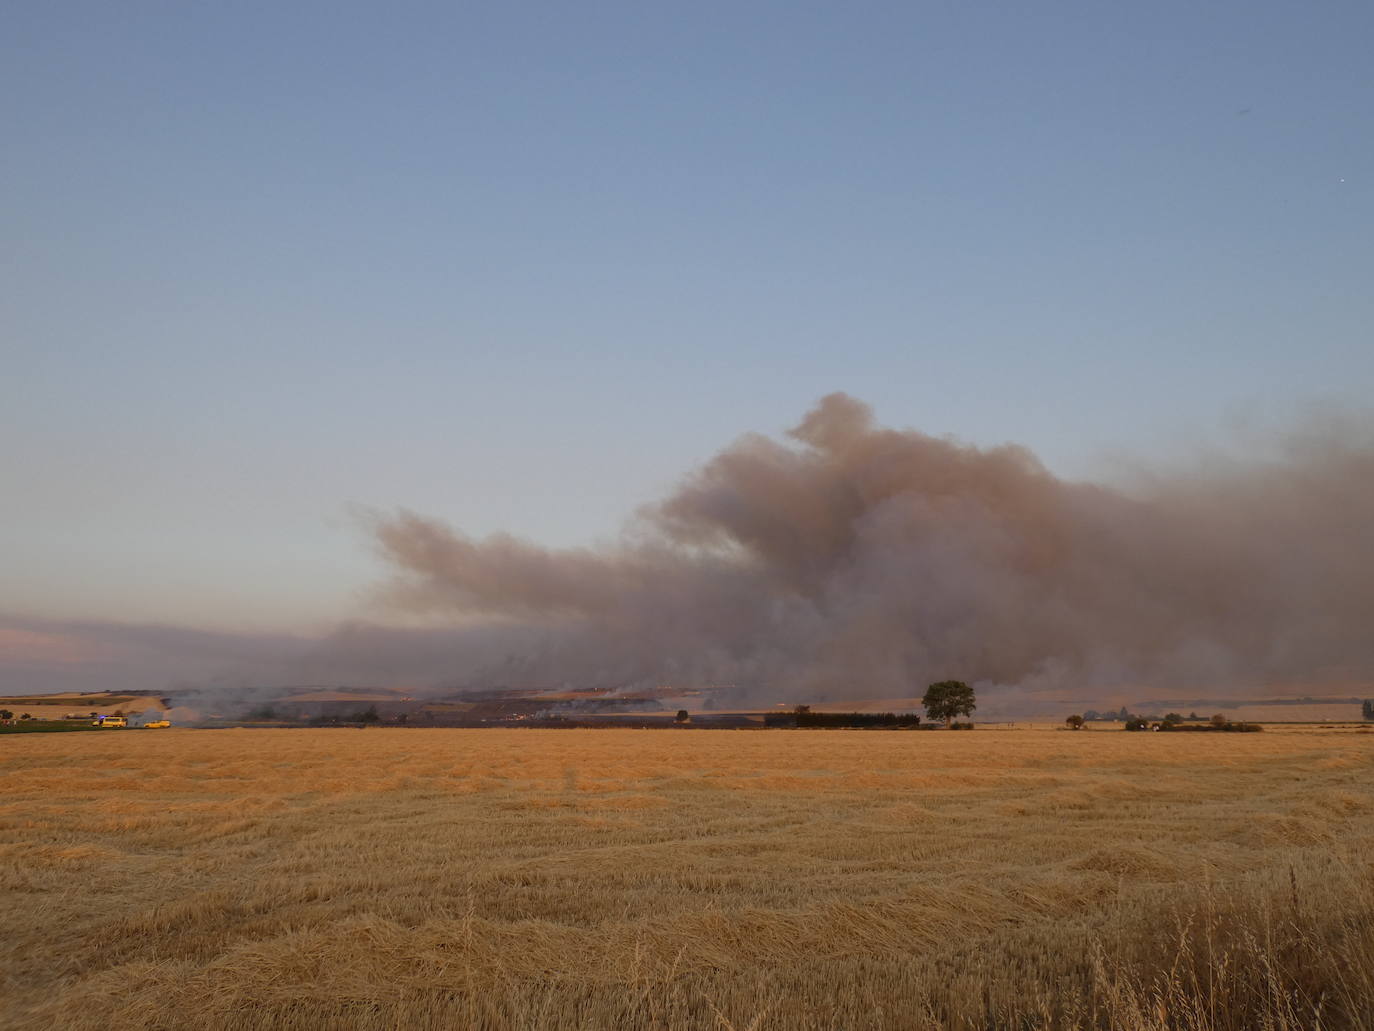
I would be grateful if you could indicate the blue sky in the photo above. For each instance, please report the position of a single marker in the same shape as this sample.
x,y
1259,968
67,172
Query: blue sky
x,y
521,266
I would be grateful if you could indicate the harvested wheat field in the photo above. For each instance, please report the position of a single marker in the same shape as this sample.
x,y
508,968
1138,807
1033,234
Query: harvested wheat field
x,y
665,880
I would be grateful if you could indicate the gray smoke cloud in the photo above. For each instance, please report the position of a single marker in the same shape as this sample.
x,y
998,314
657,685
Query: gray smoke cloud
x,y
850,560
846,561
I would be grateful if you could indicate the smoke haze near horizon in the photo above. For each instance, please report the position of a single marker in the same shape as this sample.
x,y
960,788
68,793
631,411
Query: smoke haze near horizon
x,y
850,560
844,561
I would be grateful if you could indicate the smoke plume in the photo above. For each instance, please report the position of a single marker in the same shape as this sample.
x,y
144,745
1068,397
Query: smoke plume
x,y
854,560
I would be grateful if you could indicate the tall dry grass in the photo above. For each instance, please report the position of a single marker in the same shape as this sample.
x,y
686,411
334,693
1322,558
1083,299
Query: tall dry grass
x,y
596,879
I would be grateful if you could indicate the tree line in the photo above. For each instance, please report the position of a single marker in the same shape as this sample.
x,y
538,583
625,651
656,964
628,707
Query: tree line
x,y
1174,722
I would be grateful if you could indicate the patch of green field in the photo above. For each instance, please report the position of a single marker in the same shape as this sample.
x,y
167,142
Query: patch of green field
x,y
46,726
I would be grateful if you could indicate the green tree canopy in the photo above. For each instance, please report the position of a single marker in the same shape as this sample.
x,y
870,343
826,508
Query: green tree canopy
x,y
947,699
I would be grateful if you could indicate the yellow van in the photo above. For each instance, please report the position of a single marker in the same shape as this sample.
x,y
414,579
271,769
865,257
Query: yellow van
x,y
110,721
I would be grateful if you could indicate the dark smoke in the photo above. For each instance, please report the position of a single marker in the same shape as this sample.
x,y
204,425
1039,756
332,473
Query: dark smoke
x,y
853,560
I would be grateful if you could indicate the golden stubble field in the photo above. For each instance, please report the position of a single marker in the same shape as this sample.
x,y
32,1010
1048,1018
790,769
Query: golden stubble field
x,y
685,879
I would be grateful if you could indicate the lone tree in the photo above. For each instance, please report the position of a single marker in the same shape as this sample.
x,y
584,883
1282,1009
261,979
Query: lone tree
x,y
683,716
1075,722
948,699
